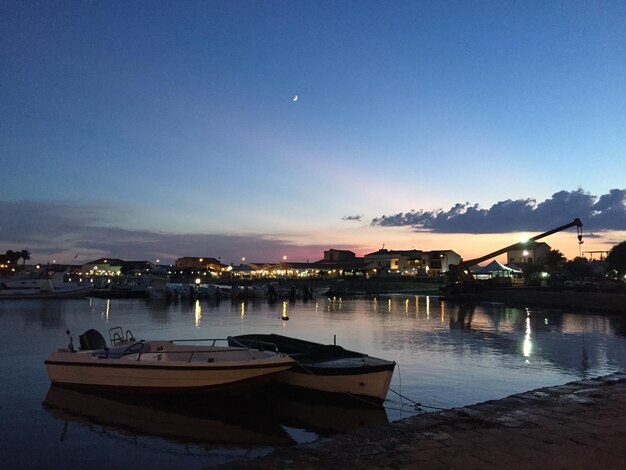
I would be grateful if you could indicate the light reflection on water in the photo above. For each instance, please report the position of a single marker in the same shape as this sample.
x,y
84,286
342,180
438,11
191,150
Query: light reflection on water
x,y
447,354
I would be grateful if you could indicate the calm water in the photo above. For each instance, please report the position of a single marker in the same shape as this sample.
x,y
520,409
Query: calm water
x,y
448,355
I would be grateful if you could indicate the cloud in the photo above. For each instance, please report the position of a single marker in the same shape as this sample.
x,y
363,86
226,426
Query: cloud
x,y
94,230
594,235
607,212
352,218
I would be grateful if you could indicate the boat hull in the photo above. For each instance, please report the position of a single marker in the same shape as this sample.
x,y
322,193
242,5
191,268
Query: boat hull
x,y
85,370
10,294
373,386
326,368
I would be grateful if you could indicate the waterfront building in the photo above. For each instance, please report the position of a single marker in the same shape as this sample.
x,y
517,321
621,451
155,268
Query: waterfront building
x,y
104,267
203,262
530,253
115,267
413,262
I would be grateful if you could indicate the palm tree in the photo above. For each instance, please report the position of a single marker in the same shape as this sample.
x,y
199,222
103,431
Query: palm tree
x,y
25,255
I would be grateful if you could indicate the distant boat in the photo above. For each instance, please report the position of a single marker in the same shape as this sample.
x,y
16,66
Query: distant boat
x,y
326,368
121,292
160,367
41,288
126,287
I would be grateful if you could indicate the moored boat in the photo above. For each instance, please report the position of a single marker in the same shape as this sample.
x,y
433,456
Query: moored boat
x,y
160,367
326,368
46,292
41,288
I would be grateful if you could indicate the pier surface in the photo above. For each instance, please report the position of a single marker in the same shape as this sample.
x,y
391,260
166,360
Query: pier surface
x,y
579,425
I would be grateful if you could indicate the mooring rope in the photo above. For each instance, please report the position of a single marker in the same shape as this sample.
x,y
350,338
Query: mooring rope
x,y
417,405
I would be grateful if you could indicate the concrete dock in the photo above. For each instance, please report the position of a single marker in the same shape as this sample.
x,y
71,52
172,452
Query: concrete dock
x,y
580,425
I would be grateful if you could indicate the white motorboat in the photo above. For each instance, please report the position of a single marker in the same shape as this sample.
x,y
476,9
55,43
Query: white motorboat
x,y
326,368
41,288
160,367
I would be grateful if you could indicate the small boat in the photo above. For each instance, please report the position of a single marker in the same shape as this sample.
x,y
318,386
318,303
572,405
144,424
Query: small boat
x,y
45,291
325,368
124,288
160,367
52,287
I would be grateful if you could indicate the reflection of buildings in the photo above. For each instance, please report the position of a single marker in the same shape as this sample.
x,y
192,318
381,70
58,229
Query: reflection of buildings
x,y
574,343
548,340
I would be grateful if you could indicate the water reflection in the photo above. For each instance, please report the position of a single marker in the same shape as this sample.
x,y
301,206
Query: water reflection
x,y
528,345
154,418
198,313
258,420
449,354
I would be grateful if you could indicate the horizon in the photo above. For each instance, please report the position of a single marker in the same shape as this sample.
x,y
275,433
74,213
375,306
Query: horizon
x,y
155,128
285,259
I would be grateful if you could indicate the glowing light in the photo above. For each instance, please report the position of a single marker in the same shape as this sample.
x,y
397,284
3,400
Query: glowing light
x,y
285,316
524,238
525,253
198,280
197,313
528,345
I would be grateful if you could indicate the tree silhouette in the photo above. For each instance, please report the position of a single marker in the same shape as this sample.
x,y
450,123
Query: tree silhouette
x,y
554,260
579,268
617,258
12,256
25,255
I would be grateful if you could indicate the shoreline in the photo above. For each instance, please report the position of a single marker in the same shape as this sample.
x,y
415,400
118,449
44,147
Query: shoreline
x,y
597,302
579,301
581,424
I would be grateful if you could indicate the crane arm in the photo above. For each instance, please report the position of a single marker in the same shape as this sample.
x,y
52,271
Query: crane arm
x,y
461,270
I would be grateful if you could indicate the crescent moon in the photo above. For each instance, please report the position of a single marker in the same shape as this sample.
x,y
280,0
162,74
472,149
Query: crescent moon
x,y
295,98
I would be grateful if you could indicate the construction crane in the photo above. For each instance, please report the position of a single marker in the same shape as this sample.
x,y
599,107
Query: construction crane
x,y
460,274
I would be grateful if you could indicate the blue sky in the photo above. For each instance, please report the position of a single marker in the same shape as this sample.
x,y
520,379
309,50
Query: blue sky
x,y
166,129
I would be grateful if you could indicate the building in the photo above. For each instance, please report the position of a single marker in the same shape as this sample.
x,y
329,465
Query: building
x,y
413,262
530,253
104,267
200,262
116,267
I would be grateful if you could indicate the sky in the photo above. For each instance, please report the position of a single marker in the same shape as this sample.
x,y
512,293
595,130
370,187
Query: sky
x,y
156,130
